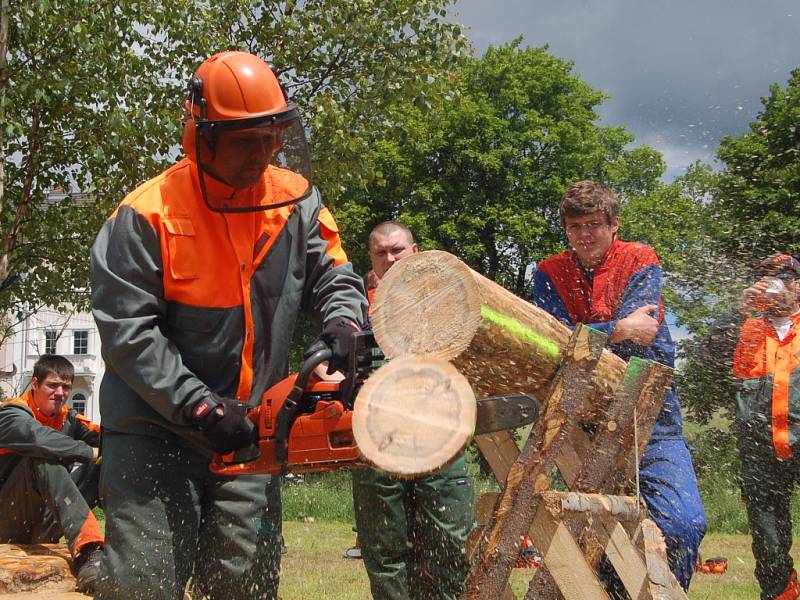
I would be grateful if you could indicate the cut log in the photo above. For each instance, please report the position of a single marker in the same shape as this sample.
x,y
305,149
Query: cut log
x,y
413,416
431,303
35,568
575,505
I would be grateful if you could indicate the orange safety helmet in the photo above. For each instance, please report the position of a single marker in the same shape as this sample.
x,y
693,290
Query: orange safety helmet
x,y
238,92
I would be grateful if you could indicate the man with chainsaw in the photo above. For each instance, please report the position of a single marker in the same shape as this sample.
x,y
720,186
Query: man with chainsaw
x,y
40,439
766,363
615,286
413,532
197,279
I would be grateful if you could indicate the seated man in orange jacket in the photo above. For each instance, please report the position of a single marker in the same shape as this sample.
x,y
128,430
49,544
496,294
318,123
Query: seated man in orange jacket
x,y
39,439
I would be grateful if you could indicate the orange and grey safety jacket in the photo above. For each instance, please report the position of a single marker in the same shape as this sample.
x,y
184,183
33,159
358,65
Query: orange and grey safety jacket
x,y
189,301
769,370
24,431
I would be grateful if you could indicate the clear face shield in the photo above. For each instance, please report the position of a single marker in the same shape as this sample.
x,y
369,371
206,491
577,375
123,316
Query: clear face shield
x,y
242,153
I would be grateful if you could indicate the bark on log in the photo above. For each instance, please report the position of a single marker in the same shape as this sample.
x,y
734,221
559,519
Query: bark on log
x,y
413,416
576,505
530,474
431,303
35,568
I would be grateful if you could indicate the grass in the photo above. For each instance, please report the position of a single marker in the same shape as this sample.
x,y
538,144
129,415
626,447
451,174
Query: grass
x,y
322,497
318,518
315,566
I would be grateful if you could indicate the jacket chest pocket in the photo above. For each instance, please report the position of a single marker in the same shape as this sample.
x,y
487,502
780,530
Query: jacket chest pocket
x,y
181,248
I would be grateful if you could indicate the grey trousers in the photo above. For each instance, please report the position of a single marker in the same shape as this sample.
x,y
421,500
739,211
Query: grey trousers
x,y
41,502
168,519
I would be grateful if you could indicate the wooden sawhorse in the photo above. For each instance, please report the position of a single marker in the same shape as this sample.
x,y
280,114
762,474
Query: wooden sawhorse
x,y
573,530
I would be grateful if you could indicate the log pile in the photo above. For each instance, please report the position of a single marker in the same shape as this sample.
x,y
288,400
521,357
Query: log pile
x,y
433,307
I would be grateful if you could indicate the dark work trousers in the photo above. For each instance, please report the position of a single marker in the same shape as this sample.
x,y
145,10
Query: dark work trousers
x,y
41,503
87,480
767,485
413,532
168,519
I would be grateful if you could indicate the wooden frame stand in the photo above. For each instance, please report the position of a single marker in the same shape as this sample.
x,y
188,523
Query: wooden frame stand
x,y
573,530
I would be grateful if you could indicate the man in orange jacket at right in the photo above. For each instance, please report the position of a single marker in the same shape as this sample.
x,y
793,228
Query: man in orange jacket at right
x,y
767,363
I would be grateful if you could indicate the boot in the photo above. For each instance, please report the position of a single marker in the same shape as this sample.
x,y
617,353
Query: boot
x,y
792,591
87,566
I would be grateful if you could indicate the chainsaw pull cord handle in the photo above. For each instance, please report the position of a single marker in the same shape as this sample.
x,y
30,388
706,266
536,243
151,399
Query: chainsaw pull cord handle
x,y
291,406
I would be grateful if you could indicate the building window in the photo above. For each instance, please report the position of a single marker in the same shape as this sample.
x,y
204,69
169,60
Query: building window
x,y
81,342
78,402
50,339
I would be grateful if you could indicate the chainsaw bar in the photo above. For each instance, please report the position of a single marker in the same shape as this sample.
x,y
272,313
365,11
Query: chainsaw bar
x,y
496,413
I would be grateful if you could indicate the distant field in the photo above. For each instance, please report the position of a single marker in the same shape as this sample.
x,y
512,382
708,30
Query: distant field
x,y
315,567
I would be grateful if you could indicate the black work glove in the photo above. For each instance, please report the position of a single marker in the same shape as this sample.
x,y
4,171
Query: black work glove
x,y
224,422
338,336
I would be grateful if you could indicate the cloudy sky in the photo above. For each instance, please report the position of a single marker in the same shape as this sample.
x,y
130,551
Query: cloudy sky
x,y
680,73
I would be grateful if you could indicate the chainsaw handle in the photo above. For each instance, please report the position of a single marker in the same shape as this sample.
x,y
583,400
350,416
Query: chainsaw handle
x,y
291,406
311,363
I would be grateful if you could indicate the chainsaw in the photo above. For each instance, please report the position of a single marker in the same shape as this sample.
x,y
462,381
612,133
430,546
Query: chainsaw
x,y
304,422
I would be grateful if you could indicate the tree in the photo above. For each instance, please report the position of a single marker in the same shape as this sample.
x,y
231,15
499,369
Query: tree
x,y
750,209
91,98
80,76
481,174
759,186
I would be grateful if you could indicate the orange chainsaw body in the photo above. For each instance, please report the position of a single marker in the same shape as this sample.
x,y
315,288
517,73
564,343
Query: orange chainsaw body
x,y
304,423
320,440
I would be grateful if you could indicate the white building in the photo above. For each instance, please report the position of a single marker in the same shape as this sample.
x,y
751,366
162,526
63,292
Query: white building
x,y
72,335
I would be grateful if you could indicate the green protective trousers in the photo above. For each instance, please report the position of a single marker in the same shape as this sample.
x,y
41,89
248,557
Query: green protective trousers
x,y
767,485
413,532
168,519
41,503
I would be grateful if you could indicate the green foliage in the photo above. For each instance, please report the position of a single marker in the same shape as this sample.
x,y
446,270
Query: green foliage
x,y
480,175
748,210
759,187
93,94
86,83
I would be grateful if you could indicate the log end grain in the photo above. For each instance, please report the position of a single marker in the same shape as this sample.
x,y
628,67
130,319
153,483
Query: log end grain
x,y
428,303
413,416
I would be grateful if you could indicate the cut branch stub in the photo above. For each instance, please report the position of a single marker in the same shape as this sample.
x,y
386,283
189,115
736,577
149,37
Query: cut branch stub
x,y
414,415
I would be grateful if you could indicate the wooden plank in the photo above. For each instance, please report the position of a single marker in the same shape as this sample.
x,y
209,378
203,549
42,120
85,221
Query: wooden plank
x,y
648,407
624,557
662,583
35,568
531,473
563,558
500,451
611,443
573,453
484,507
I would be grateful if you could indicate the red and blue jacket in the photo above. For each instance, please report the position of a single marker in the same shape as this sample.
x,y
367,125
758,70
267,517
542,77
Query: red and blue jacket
x,y
629,277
